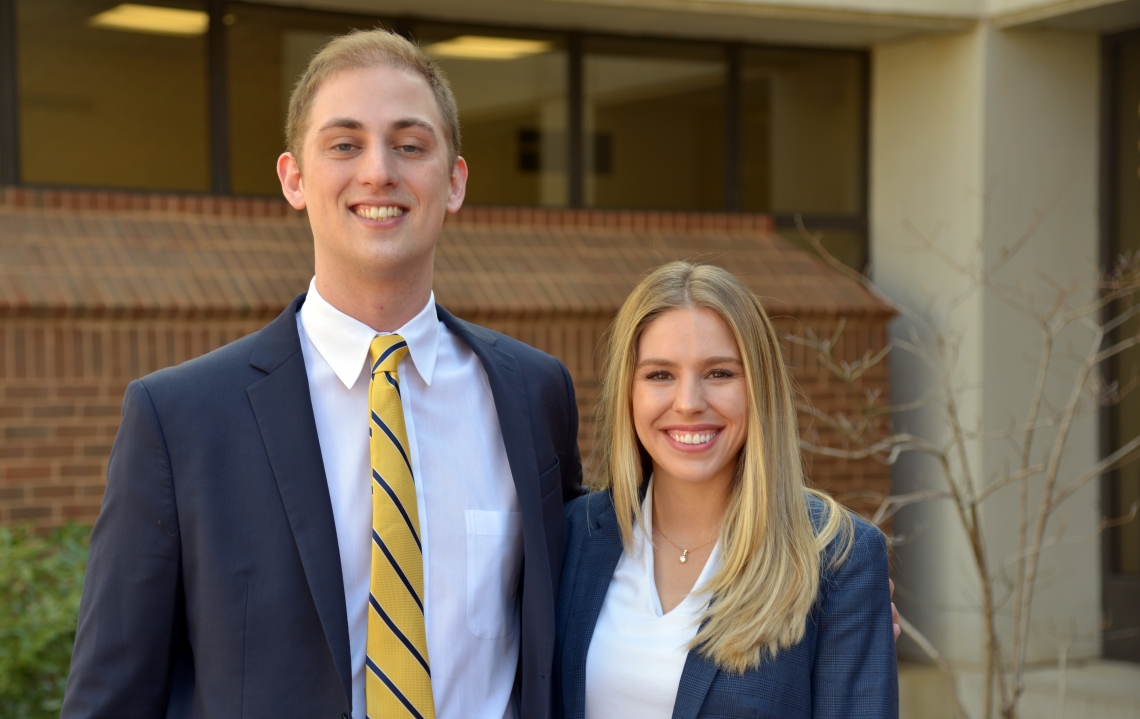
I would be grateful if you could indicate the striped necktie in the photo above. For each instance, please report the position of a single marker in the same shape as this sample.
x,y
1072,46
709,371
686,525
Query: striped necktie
x,y
398,679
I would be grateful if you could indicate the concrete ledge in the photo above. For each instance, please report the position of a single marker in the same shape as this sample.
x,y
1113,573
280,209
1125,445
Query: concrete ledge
x,y
1092,690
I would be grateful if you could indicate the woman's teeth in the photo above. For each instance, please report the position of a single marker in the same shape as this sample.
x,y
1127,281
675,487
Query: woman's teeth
x,y
371,212
692,437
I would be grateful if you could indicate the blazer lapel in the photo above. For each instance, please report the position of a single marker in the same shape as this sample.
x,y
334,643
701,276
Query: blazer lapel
x,y
600,555
284,412
696,678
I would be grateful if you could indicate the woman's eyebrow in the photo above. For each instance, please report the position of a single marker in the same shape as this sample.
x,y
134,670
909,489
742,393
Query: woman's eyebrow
x,y
656,361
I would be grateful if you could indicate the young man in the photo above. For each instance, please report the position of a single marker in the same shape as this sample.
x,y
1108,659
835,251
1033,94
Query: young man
x,y
356,511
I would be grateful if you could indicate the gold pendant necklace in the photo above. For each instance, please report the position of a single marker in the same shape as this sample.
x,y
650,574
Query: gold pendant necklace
x,y
684,552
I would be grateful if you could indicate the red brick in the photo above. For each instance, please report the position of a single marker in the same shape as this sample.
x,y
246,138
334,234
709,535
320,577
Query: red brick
x,y
11,493
23,514
27,432
54,410
41,471
76,432
53,491
25,392
77,392
101,410
11,411
81,470
80,511
53,451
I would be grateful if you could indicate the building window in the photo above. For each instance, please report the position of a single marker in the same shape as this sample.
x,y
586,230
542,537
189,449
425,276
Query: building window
x,y
511,90
119,95
113,95
1125,224
654,116
268,49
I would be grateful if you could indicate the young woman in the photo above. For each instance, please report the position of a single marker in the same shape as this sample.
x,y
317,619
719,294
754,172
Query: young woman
x,y
703,578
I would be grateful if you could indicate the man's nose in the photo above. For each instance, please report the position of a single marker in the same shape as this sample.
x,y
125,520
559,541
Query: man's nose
x,y
379,167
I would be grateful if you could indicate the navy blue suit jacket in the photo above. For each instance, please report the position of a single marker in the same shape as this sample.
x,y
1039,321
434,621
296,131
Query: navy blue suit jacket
x,y
844,666
214,585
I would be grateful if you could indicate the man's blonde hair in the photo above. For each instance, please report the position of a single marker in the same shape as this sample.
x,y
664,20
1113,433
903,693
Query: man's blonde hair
x,y
364,49
771,554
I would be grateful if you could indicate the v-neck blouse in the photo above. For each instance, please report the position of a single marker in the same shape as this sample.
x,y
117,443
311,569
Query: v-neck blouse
x,y
637,652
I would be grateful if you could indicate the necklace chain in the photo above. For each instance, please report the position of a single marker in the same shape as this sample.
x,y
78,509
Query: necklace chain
x,y
685,552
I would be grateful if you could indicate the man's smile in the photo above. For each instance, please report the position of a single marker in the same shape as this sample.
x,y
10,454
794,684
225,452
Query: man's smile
x,y
378,212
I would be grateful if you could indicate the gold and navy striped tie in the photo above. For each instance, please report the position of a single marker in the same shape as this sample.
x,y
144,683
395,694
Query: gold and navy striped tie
x,y
398,678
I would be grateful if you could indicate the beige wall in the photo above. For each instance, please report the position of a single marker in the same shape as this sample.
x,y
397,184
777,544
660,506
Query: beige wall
x,y
972,135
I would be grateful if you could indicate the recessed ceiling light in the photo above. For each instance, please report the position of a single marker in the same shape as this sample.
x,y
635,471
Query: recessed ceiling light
x,y
153,20
478,47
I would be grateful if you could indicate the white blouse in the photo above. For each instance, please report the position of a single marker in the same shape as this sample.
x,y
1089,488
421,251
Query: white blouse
x,y
637,652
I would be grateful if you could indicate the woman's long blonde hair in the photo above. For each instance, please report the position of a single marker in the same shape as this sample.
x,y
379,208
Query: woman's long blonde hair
x,y
770,553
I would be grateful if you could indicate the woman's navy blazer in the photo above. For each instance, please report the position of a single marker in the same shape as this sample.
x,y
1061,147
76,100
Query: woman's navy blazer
x,y
844,666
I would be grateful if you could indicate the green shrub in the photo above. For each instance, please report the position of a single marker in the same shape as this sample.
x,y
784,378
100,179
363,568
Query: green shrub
x,y
41,579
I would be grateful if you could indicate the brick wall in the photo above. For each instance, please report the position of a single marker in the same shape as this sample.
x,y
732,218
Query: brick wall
x,y
62,382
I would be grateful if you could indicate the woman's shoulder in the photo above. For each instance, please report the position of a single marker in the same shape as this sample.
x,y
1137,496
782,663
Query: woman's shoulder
x,y
582,512
860,543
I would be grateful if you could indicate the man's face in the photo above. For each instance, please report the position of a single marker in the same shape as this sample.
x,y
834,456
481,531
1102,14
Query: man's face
x,y
378,177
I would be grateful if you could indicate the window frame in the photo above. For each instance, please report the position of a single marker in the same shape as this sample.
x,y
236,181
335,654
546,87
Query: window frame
x,y
219,151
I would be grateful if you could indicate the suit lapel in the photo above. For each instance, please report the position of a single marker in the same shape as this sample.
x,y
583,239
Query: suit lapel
x,y
600,555
284,412
696,679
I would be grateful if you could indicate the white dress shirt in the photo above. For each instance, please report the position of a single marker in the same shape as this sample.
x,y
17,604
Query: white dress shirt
x,y
470,525
638,652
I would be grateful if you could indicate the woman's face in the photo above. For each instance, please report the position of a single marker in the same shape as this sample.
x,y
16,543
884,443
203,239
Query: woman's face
x,y
690,399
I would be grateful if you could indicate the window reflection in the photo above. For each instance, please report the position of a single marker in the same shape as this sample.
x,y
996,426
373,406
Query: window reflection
x,y
113,97
802,131
511,92
654,119
268,50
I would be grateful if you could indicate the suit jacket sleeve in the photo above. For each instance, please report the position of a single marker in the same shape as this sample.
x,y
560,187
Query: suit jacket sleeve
x,y
855,673
130,614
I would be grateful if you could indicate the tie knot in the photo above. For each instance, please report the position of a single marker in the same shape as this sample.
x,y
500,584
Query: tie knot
x,y
386,352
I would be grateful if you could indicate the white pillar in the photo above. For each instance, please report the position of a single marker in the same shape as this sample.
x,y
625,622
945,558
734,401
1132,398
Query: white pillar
x,y
973,134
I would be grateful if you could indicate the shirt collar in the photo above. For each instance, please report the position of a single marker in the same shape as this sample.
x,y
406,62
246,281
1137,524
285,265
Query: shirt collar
x,y
344,341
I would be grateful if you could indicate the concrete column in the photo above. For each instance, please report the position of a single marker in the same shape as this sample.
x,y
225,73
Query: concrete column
x,y
974,134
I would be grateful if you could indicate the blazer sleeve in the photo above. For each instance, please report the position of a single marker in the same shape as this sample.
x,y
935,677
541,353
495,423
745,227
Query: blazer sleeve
x,y
856,671
130,612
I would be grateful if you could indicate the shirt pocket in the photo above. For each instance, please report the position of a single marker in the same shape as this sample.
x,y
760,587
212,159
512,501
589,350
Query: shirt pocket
x,y
494,563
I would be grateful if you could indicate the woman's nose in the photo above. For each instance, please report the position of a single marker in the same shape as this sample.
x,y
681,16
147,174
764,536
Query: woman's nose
x,y
690,397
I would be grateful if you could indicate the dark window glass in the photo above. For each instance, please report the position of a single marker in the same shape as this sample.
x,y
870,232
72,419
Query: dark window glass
x,y
269,49
113,95
1125,487
654,119
511,90
802,131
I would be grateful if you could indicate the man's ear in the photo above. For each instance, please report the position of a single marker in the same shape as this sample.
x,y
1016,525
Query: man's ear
x,y
457,186
289,172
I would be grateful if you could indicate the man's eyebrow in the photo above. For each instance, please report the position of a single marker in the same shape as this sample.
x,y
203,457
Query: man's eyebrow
x,y
344,123
406,122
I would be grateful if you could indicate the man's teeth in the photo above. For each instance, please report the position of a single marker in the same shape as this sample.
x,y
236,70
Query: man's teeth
x,y
373,212
692,437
